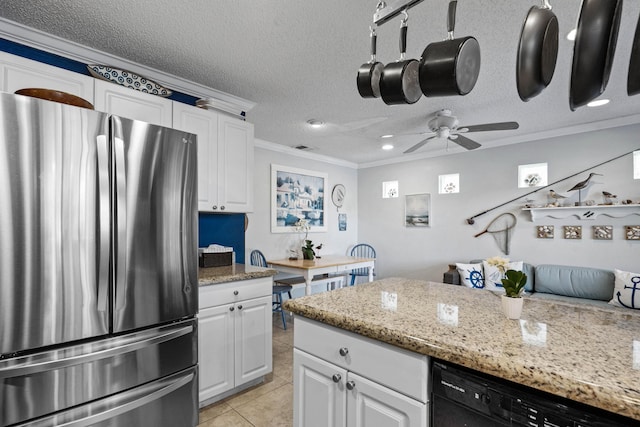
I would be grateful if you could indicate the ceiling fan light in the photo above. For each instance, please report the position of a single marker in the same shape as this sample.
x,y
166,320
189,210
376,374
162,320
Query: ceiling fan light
x,y
598,103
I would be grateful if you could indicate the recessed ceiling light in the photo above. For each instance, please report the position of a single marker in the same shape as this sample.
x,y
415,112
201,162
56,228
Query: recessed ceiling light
x,y
387,147
386,136
314,123
598,103
572,35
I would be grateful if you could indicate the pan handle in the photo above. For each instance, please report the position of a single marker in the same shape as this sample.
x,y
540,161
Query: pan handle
x,y
403,36
374,38
451,19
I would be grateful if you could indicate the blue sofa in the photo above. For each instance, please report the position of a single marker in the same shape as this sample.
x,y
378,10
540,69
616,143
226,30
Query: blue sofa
x,y
560,282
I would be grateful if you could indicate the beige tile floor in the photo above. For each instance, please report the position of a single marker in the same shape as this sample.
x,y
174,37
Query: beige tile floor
x,y
266,405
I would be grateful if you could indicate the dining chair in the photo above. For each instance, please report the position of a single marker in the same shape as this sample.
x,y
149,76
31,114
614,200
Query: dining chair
x,y
258,260
361,250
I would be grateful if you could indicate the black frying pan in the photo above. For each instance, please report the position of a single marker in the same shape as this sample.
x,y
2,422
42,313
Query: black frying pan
x,y
369,74
399,82
450,67
595,44
633,79
537,51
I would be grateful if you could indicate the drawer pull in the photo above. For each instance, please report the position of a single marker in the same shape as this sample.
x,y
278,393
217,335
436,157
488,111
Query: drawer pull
x,y
235,292
344,351
215,207
336,378
351,385
231,308
240,307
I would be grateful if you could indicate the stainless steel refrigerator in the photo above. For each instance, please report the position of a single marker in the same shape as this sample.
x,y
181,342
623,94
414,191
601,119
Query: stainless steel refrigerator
x,y
98,269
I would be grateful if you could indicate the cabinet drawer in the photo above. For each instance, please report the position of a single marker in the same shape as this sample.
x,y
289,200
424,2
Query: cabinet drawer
x,y
230,292
396,368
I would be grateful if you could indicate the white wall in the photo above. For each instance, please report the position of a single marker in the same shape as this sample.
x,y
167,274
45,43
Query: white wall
x,y
488,178
276,245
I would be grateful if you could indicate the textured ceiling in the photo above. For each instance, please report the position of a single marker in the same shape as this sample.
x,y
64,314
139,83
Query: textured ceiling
x,y
298,60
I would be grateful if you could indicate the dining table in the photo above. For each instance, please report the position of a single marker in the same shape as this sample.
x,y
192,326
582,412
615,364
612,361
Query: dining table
x,y
328,264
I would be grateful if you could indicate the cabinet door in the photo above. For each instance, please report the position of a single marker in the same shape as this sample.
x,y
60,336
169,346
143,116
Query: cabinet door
x,y
204,124
235,164
371,405
319,398
216,350
253,339
19,73
132,104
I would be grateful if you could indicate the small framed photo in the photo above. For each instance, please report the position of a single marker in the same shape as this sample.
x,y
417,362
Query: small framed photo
x,y
632,232
342,222
573,232
533,175
449,184
602,232
417,210
545,231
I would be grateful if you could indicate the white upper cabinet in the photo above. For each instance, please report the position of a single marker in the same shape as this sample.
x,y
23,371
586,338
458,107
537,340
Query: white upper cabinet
x,y
19,73
132,104
225,158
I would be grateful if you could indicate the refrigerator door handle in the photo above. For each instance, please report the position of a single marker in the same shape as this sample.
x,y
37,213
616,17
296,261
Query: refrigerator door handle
x,y
53,360
104,217
114,406
121,209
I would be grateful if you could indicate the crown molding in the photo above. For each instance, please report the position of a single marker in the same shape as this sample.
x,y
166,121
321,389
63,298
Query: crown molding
x,y
37,39
284,149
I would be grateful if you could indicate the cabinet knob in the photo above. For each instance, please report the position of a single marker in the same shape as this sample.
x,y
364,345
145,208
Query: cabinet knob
x,y
240,307
221,208
235,292
336,378
215,207
231,308
344,351
350,385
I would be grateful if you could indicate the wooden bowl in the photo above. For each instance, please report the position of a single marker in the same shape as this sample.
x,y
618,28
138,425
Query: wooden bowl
x,y
56,96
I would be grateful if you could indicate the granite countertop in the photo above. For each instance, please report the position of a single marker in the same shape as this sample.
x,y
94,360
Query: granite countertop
x,y
584,353
232,273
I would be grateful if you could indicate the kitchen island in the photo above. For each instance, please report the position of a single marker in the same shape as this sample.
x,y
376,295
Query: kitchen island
x,y
583,353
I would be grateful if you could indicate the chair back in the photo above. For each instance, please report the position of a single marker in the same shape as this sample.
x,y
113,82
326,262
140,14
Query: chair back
x,y
362,250
258,259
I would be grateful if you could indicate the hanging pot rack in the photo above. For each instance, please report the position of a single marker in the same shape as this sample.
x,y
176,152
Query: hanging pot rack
x,y
387,11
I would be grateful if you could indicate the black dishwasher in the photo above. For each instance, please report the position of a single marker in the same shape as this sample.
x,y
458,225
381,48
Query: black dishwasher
x,y
464,398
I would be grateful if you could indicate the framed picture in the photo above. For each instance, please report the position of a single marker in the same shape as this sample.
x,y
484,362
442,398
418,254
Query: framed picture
x,y
342,222
297,194
533,175
417,210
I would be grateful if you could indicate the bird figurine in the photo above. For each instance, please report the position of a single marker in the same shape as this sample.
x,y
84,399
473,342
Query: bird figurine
x,y
608,197
583,185
557,197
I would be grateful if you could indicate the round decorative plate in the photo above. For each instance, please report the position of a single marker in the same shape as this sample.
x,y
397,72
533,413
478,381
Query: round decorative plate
x,y
338,194
127,79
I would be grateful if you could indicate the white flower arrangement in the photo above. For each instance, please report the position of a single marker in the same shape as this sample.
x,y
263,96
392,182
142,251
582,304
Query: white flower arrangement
x,y
302,225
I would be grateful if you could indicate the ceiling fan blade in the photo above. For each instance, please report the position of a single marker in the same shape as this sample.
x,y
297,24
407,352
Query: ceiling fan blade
x,y
465,142
491,126
419,144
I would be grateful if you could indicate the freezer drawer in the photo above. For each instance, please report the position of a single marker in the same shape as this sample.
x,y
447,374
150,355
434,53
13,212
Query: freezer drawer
x,y
168,402
43,383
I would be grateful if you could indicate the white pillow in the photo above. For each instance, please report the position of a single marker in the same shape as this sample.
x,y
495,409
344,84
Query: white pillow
x,y
493,275
627,290
471,275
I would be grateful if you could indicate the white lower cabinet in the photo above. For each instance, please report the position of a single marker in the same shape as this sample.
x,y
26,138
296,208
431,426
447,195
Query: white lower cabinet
x,y
350,382
234,336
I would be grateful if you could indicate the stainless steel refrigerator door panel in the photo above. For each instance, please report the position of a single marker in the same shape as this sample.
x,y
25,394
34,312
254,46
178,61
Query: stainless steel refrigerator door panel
x,y
49,224
44,383
156,277
168,402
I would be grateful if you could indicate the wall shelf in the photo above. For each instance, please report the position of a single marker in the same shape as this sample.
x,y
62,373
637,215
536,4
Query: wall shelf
x,y
584,212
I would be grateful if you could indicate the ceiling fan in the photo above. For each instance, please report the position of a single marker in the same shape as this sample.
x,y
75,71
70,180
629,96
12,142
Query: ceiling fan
x,y
445,126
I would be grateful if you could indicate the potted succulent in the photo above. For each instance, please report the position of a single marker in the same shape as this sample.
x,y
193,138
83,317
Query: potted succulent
x,y
513,284
307,250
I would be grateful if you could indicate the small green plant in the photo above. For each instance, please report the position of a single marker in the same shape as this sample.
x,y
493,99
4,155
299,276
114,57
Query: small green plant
x,y
514,283
307,251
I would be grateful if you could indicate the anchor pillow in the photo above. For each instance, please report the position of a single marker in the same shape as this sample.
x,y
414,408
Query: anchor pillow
x,y
627,290
471,275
